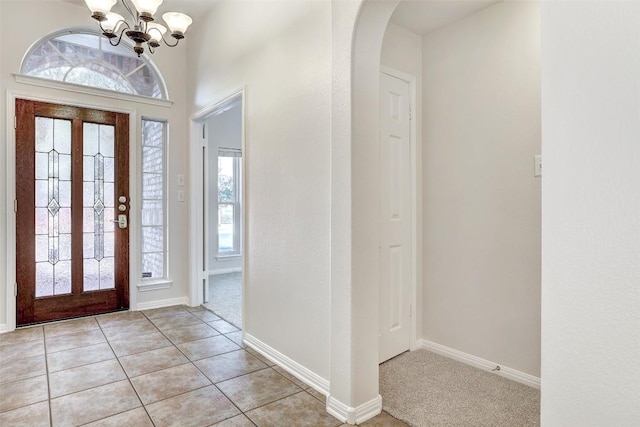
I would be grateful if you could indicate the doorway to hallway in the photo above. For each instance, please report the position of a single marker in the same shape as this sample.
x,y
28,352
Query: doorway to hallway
x,y
221,247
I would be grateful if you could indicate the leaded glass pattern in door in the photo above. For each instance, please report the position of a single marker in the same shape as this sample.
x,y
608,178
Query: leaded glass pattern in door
x,y
53,207
98,207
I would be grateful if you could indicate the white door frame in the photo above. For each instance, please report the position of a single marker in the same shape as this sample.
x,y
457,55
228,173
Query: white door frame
x,y
198,268
134,192
416,206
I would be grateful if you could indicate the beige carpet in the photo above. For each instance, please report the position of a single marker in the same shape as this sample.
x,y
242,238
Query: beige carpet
x,y
225,297
424,389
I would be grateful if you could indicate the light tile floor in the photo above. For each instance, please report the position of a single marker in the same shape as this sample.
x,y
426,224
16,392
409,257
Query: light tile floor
x,y
174,366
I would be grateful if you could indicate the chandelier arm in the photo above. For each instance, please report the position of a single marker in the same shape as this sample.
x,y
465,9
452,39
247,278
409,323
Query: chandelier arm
x,y
170,45
119,38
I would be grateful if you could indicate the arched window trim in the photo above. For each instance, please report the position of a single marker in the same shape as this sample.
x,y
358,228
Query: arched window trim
x,y
26,78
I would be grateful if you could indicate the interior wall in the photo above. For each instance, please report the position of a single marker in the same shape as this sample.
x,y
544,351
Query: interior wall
x,y
481,201
14,42
224,131
281,51
402,51
591,216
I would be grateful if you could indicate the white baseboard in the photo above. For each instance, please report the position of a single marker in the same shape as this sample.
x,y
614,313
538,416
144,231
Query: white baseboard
x,y
162,303
3,328
357,415
294,368
225,271
485,365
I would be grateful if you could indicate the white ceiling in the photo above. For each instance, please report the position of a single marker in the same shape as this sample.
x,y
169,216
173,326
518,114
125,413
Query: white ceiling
x,y
418,16
423,16
193,8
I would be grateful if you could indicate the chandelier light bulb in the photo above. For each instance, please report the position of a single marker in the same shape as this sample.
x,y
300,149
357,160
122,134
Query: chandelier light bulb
x,y
100,8
147,8
155,31
178,23
112,23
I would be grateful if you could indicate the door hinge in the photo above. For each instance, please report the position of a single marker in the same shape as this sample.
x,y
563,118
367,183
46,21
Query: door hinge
x,y
203,129
15,205
410,114
15,289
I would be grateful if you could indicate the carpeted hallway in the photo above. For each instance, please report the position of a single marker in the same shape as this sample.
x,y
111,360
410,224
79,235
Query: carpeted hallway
x,y
425,389
225,297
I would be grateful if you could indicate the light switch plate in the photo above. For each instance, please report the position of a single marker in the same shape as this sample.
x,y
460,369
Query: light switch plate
x,y
180,180
537,165
181,195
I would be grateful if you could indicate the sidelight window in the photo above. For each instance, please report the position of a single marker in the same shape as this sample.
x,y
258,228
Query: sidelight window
x,y
153,199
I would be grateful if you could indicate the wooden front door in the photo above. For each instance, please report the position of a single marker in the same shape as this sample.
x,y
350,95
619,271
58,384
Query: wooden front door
x,y
72,184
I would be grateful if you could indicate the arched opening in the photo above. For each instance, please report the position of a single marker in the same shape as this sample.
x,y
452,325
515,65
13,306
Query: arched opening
x,y
360,387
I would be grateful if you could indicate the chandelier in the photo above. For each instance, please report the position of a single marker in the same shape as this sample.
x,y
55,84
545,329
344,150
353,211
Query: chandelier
x,y
142,29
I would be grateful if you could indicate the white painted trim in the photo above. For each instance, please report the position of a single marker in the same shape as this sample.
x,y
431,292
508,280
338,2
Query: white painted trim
x,y
3,328
10,181
198,266
134,206
225,271
162,303
224,258
478,362
75,88
154,285
416,201
358,415
294,368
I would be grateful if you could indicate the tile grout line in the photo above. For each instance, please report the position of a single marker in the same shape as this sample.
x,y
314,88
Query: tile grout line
x,y
46,369
199,370
128,379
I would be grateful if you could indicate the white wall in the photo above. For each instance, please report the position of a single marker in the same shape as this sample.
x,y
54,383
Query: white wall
x,y
481,129
281,51
14,42
224,131
591,215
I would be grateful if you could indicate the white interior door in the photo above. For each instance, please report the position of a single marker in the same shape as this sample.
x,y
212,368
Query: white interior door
x,y
395,217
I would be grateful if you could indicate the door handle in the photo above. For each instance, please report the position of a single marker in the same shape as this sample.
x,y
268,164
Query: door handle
x,y
121,221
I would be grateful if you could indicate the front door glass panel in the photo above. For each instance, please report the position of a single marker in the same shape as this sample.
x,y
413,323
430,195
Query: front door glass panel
x,y
98,207
53,206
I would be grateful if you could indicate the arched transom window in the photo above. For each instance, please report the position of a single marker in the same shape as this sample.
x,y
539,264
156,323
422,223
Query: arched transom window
x,y
86,58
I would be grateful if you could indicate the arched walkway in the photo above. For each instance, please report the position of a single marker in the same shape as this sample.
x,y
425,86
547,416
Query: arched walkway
x,y
357,34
